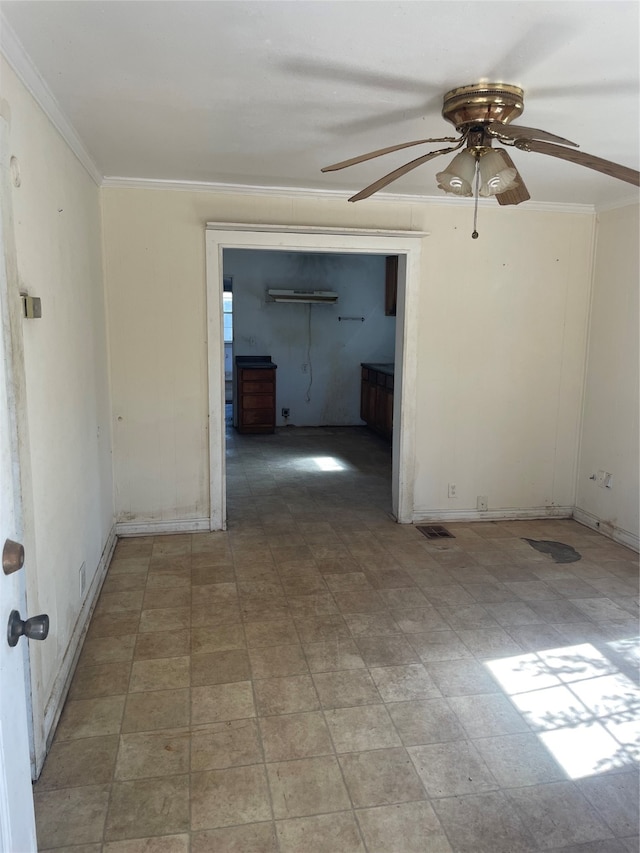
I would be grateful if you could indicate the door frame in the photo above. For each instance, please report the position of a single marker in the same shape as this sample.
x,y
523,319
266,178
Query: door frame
x,y
408,246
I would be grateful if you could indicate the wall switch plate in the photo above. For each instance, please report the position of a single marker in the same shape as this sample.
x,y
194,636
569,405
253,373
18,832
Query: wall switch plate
x,y
452,490
600,478
482,503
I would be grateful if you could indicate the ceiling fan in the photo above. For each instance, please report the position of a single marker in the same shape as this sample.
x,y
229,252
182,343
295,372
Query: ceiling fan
x,y
482,113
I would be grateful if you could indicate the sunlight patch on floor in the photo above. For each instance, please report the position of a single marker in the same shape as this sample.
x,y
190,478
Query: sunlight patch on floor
x,y
584,710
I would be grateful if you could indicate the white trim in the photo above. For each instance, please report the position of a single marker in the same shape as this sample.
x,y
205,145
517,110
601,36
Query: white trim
x,y
116,182
67,667
20,61
311,229
540,512
618,534
161,528
297,239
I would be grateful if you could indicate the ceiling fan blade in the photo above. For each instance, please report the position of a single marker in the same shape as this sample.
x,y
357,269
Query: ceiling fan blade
x,y
615,170
518,131
352,162
520,193
402,170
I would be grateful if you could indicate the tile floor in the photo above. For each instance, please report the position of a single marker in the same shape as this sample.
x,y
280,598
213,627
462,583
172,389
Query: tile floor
x,y
320,679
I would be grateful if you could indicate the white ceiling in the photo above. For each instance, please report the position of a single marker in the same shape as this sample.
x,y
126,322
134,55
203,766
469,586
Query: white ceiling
x,y
265,93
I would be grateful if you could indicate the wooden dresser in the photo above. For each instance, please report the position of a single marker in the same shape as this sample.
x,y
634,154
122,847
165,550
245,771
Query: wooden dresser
x,y
255,394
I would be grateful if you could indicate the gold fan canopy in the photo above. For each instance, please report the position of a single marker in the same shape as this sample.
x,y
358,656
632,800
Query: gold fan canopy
x,y
482,102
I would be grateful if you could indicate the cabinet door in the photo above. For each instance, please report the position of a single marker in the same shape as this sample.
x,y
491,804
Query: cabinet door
x,y
391,285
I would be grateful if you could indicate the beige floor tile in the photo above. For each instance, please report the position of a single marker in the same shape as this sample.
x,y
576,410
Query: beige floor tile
x,y
451,769
558,815
220,668
71,815
360,601
216,703
114,624
381,777
227,797
206,574
217,638
306,786
320,834
160,709
148,807
362,728
332,655
489,642
314,629
487,823
250,838
427,721
386,651
90,717
84,761
346,688
105,679
412,620
519,759
403,828
263,610
165,619
293,736
202,616
158,844
289,695
272,633
155,599
278,661
320,604
461,677
372,624
160,674
152,754
119,602
98,650
404,683
438,646
229,744
162,644
487,715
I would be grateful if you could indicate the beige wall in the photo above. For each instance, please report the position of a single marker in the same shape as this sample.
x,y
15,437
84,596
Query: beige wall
x,y
610,431
65,429
501,351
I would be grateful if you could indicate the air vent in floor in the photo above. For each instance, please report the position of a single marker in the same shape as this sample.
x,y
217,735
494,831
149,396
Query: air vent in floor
x,y
434,531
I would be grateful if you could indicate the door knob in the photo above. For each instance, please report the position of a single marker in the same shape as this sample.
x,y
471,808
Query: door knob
x,y
36,628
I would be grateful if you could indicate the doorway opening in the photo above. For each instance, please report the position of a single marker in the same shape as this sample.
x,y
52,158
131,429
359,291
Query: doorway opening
x,y
407,246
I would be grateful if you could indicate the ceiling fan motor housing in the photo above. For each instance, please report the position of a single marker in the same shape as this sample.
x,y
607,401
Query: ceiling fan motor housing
x,y
482,103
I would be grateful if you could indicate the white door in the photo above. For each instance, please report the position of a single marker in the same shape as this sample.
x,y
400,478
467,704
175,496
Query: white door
x,y
17,825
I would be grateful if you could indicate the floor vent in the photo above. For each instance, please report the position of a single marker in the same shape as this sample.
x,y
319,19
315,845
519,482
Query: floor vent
x,y
434,531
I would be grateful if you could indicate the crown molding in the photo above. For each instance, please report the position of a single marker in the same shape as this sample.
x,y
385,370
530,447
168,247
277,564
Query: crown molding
x,y
19,60
113,182
616,205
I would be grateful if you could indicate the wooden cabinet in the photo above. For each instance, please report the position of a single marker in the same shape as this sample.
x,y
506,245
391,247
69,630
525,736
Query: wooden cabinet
x,y
376,398
255,394
391,285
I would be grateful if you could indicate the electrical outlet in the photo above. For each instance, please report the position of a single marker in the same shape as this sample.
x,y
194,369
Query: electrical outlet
x,y
600,478
285,412
304,367
452,490
83,578
482,503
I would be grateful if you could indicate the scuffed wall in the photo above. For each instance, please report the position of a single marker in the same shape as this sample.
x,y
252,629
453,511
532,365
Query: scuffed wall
x,y
501,346
610,427
69,494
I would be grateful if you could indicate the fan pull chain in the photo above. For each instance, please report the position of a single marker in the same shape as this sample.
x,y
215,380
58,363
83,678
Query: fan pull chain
x,y
474,233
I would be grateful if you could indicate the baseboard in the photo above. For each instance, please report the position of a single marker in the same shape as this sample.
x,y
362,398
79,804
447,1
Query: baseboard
x,y
618,534
541,512
158,528
67,667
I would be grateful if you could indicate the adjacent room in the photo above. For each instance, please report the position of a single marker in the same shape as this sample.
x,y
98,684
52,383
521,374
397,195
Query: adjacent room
x,y
319,426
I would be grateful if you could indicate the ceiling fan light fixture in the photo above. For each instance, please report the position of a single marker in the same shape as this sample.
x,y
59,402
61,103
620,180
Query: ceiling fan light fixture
x,y
458,177
496,175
